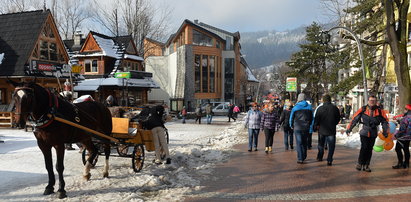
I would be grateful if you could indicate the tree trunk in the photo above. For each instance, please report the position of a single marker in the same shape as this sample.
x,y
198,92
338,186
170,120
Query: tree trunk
x,y
397,40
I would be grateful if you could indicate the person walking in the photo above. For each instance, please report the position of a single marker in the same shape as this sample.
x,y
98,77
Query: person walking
x,y
209,113
326,120
403,137
230,112
184,114
370,116
268,121
301,120
288,132
252,121
236,110
348,109
199,114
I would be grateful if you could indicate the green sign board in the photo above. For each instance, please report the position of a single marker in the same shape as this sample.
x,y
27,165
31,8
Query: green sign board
x,y
124,75
291,84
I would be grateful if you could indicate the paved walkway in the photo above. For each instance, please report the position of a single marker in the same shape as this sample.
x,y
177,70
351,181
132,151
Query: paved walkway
x,y
256,176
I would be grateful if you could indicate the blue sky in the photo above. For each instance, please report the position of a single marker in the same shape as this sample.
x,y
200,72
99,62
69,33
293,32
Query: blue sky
x,y
245,15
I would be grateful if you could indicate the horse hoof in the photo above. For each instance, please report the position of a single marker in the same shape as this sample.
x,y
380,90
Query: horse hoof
x,y
87,177
105,175
48,191
61,194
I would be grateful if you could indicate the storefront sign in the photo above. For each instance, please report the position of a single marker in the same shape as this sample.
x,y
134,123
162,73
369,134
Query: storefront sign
x,y
76,69
125,75
291,84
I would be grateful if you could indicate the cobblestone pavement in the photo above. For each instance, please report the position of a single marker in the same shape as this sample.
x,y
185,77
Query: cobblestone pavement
x,y
257,176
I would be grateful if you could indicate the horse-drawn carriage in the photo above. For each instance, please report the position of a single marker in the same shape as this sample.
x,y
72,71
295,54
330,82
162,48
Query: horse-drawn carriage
x,y
58,121
131,137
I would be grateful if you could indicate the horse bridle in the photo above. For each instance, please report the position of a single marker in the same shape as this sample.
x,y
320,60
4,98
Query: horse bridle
x,y
43,120
31,90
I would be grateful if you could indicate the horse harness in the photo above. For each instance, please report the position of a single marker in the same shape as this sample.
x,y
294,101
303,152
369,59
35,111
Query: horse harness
x,y
45,119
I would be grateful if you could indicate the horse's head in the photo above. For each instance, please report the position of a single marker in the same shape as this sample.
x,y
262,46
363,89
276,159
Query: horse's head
x,y
23,97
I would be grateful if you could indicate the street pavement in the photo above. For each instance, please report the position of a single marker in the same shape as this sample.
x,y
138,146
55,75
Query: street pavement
x,y
257,176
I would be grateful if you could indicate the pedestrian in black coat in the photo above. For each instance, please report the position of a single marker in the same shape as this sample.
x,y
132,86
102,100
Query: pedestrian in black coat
x,y
325,121
288,132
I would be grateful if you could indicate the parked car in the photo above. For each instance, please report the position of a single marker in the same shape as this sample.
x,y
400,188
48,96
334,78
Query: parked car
x,y
213,105
221,109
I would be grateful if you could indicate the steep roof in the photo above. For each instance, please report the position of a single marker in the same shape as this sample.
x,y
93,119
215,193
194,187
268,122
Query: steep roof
x,y
18,35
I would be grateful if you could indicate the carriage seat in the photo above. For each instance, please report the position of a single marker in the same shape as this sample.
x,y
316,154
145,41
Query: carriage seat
x,y
121,126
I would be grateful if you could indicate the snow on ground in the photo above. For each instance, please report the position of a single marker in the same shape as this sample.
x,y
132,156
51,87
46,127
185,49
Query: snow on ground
x,y
194,150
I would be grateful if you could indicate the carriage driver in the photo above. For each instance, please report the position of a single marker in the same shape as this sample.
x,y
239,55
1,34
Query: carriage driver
x,y
157,128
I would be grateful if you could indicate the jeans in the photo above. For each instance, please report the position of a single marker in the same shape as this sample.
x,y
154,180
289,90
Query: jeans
x,y
253,138
367,144
269,137
288,135
198,118
301,139
209,118
184,119
330,140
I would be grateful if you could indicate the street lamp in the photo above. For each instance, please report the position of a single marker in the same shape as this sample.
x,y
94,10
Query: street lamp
x,y
325,36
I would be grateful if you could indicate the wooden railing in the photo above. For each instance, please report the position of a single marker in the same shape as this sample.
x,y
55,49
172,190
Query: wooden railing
x,y
6,119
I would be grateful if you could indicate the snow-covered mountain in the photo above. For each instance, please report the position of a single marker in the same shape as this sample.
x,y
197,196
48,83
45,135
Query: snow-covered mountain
x,y
264,48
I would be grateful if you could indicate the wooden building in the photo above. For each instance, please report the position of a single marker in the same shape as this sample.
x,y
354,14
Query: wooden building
x,y
30,48
102,57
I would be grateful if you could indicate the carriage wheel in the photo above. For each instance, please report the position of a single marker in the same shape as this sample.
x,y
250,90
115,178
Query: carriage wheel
x,y
137,160
122,150
84,157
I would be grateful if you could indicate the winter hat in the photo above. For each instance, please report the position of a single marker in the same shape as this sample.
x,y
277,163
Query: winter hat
x,y
301,97
408,107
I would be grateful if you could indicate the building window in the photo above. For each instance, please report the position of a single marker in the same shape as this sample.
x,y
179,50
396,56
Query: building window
x,y
197,73
229,78
201,39
204,75
90,66
212,73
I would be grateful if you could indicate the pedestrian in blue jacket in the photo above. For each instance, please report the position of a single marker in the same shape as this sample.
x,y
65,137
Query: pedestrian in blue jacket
x,y
301,121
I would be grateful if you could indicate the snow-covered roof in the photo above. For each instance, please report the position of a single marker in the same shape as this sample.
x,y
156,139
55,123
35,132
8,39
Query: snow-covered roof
x,y
250,75
133,57
108,47
1,57
94,84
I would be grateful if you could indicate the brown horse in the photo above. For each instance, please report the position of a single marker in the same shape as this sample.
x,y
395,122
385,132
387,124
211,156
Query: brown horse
x,y
32,100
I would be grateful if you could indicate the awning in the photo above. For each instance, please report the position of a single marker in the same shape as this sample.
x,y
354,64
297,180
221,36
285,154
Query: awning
x,y
94,84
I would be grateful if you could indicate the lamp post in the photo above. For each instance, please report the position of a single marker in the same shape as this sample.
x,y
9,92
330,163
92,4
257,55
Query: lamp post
x,y
326,38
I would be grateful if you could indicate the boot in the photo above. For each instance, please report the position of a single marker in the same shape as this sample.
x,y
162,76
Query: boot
x,y
270,149
358,167
366,168
399,165
266,150
406,164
